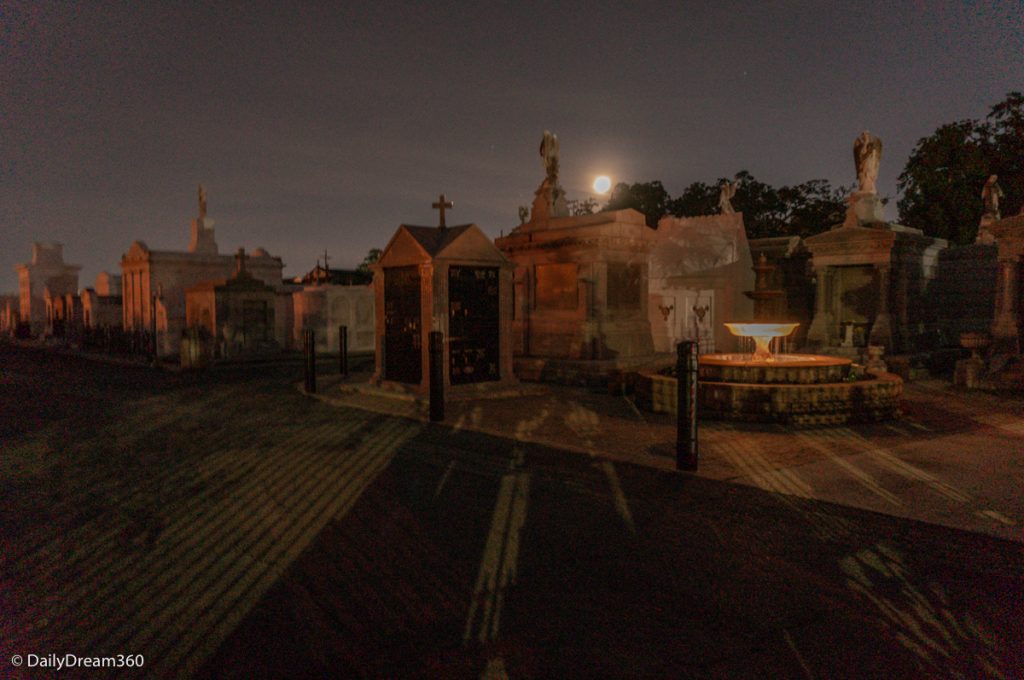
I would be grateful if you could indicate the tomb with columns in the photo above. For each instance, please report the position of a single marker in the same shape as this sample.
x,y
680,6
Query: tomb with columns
x,y
447,279
8,314
871,275
581,282
1003,364
1006,326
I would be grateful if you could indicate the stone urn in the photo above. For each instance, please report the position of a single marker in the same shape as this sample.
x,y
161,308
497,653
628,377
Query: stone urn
x,y
975,342
874,364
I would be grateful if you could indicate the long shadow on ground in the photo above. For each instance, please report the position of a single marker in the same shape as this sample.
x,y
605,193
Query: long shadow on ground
x,y
717,580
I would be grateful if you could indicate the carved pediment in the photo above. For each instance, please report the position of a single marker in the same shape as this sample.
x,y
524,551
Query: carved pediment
x,y
138,251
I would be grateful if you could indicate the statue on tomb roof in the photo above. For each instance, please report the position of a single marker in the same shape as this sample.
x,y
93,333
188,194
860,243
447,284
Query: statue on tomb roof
x,y
549,152
867,154
726,190
202,202
990,195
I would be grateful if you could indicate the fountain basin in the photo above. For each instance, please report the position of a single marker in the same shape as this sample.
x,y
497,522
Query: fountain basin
x,y
762,334
795,369
872,399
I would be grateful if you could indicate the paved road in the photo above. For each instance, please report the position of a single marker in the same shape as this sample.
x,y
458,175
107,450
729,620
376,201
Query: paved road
x,y
227,526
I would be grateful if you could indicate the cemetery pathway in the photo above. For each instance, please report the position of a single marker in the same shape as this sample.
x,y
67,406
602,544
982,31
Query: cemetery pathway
x,y
225,525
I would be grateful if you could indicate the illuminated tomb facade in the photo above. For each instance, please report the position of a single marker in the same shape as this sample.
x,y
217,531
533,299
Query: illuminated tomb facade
x,y
581,286
45,277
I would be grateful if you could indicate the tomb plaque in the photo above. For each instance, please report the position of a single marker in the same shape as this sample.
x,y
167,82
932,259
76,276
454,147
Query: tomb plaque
x,y
403,360
473,324
557,286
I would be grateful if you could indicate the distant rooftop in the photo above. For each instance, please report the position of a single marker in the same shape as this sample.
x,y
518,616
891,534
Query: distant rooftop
x,y
338,277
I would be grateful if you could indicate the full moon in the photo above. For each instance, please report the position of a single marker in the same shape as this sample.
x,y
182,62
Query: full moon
x,y
602,184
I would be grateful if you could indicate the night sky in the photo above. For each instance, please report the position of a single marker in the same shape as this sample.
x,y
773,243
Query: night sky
x,y
318,127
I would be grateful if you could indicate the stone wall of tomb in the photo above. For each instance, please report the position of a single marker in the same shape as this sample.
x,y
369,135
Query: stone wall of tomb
x,y
699,268
961,297
325,308
46,270
144,273
581,286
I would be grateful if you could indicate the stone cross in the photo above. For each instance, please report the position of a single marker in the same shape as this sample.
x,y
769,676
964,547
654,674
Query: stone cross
x,y
441,204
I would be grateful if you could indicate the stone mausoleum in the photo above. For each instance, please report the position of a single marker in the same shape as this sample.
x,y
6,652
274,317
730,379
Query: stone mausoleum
x,y
101,302
154,282
448,279
581,286
331,298
45,276
581,282
237,314
871,275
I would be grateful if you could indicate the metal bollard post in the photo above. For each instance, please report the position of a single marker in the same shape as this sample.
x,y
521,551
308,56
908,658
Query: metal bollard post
x,y
686,405
436,376
152,317
309,342
343,351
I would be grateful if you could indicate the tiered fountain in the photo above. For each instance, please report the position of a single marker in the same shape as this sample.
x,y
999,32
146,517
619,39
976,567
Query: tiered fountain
x,y
797,389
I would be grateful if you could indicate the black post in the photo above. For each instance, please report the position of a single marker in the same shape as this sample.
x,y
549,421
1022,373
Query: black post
x,y
309,347
686,405
152,326
343,351
436,376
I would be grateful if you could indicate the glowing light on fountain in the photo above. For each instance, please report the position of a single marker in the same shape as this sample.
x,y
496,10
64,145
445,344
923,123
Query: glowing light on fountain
x,y
763,334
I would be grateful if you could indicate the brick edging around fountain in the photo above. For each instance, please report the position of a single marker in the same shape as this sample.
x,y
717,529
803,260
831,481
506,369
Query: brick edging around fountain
x,y
803,405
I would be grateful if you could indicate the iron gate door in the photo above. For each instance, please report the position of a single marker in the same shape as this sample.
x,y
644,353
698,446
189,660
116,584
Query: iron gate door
x,y
403,360
473,324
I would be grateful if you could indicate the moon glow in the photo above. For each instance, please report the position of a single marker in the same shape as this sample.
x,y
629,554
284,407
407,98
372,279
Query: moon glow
x,y
602,184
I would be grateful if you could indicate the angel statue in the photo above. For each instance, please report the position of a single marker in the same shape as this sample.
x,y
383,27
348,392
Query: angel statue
x,y
990,195
726,190
867,153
